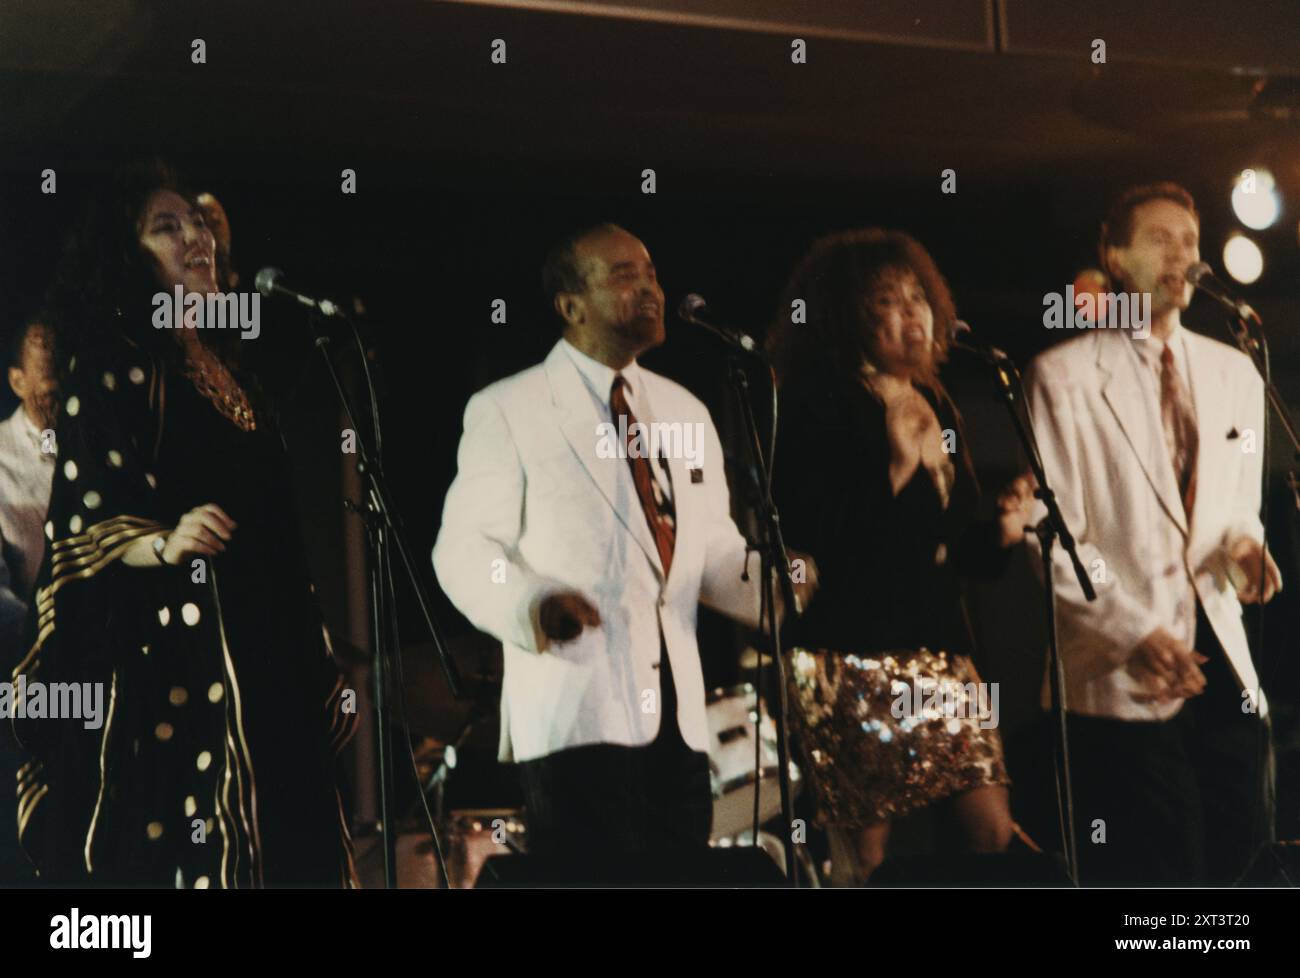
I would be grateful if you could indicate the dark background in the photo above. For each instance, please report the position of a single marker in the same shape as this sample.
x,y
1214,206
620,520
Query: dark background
x,y
467,170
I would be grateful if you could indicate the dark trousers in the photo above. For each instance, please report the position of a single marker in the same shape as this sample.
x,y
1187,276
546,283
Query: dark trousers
x,y
1186,800
592,802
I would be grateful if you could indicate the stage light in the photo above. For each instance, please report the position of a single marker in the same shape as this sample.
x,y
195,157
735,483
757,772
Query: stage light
x,y
1243,259
1090,282
1255,199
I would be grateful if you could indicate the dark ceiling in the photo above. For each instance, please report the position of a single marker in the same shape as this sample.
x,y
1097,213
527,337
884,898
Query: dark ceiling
x,y
412,83
753,153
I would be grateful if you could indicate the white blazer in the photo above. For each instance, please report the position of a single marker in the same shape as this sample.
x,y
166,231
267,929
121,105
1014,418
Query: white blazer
x,y
534,509
1104,453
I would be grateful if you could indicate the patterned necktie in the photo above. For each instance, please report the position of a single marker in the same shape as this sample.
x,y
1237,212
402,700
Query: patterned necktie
x,y
1180,427
658,509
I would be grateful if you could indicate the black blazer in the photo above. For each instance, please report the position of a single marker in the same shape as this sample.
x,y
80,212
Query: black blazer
x,y
890,565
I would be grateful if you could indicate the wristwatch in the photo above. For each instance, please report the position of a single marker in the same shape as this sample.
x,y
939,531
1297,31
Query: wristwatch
x,y
159,545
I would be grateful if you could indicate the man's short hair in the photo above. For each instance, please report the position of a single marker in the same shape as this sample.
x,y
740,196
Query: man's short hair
x,y
18,343
560,271
1117,228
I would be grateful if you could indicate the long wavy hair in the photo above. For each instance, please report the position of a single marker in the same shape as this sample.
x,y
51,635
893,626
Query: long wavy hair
x,y
833,280
106,281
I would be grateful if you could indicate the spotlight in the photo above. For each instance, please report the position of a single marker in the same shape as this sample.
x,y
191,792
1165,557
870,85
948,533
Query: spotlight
x,y
1255,199
1243,259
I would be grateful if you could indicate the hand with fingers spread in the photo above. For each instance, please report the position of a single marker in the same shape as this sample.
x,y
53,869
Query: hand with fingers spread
x,y
205,530
1167,669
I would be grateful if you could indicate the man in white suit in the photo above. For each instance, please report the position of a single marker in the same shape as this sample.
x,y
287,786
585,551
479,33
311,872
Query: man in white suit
x,y
588,560
1153,445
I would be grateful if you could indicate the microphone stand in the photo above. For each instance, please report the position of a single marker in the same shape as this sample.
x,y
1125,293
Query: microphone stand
x,y
385,535
1256,347
775,570
1051,528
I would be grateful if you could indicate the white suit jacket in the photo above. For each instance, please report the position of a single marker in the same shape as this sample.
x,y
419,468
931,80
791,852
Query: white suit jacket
x,y
1104,453
534,509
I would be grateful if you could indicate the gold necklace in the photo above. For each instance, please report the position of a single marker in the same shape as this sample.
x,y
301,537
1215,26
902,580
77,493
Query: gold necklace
x,y
213,380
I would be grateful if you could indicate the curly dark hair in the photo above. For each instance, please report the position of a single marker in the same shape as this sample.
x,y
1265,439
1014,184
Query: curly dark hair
x,y
833,279
105,280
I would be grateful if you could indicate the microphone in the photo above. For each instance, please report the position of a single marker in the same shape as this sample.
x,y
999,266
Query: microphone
x,y
961,336
268,282
689,311
1200,276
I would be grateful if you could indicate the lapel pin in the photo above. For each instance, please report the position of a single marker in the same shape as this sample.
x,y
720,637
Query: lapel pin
x,y
697,475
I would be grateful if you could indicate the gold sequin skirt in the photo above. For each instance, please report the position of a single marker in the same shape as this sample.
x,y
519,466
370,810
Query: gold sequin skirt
x,y
888,733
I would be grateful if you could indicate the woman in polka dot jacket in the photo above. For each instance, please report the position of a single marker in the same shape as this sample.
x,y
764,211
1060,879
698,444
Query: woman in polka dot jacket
x,y
175,578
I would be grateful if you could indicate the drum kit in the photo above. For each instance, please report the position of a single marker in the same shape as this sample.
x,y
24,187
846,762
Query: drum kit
x,y
736,739
479,814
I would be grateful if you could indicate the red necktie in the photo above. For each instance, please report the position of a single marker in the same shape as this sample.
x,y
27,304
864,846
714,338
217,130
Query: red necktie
x,y
657,509
1180,427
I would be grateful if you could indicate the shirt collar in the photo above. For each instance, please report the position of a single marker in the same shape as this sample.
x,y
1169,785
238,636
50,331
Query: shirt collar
x,y
29,424
20,434
598,377
1150,349
22,423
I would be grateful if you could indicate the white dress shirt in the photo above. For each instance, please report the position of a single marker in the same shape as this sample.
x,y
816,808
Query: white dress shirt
x,y
1151,348
1149,351
25,477
599,380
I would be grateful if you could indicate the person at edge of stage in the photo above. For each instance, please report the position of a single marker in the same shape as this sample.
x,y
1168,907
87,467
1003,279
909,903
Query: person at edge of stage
x,y
27,450
1145,432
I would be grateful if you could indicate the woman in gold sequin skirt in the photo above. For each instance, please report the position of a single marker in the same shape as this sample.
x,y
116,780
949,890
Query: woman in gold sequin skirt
x,y
874,479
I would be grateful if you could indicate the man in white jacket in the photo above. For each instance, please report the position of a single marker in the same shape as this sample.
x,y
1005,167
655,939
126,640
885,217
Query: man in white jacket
x,y
1154,446
588,519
